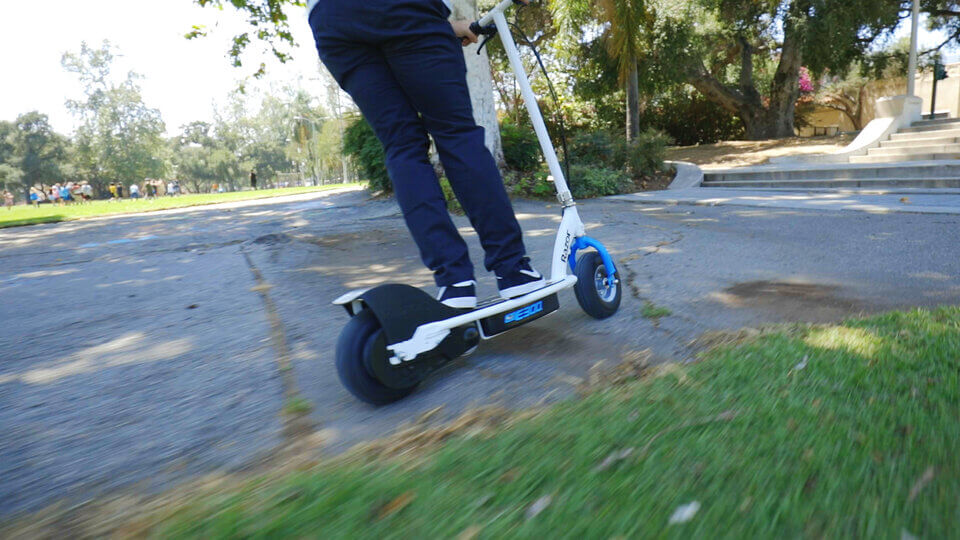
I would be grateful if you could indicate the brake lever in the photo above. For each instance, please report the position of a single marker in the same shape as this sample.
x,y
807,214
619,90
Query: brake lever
x,y
486,31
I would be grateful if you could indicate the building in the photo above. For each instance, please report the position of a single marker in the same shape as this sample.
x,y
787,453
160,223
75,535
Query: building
x,y
822,120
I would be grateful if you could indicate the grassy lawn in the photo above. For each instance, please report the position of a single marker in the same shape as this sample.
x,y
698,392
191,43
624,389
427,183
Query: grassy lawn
x,y
47,213
809,431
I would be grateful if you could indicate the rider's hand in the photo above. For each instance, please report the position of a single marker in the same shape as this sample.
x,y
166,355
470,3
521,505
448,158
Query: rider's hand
x,y
462,30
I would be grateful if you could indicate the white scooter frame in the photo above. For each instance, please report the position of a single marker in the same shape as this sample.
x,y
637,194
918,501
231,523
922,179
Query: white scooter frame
x,y
571,236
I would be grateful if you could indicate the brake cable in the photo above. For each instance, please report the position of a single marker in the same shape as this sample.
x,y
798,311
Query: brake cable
x,y
491,30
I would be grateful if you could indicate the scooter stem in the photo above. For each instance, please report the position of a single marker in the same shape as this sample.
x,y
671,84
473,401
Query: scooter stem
x,y
530,99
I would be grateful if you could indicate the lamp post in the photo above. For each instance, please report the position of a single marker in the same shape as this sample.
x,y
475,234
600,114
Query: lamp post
x,y
914,35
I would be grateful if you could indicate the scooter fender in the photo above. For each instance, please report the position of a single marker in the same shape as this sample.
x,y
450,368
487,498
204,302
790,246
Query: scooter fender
x,y
401,309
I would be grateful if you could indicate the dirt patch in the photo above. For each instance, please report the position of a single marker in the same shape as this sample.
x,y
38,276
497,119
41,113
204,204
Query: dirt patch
x,y
792,301
656,182
746,153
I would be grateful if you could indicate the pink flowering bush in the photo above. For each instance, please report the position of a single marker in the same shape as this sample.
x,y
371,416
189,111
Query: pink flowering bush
x,y
806,84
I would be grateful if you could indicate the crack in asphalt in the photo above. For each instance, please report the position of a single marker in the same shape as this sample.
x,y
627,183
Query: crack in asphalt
x,y
296,425
632,277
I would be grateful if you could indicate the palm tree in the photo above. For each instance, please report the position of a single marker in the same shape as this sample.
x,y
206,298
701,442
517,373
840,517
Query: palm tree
x,y
623,22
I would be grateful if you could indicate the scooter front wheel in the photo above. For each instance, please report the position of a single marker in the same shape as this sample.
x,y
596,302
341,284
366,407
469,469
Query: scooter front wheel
x,y
598,295
353,348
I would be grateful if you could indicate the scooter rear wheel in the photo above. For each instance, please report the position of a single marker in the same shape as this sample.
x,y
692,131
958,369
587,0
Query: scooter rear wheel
x,y
597,294
353,347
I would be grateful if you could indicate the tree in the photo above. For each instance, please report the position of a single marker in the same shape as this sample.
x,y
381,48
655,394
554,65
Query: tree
x,y
944,15
269,20
10,174
119,139
849,90
31,153
624,24
725,50
191,156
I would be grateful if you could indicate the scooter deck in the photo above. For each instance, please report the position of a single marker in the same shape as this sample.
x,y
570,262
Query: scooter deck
x,y
502,322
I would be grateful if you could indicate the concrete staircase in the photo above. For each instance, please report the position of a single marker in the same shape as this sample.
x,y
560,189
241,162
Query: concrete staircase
x,y
920,174
923,141
925,155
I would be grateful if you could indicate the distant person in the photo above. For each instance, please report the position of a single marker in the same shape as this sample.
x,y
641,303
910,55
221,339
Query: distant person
x,y
119,190
134,191
171,189
87,190
113,191
65,196
8,199
35,197
76,192
253,179
53,195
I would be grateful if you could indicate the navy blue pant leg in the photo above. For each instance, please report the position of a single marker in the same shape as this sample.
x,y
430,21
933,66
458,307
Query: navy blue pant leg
x,y
432,72
403,66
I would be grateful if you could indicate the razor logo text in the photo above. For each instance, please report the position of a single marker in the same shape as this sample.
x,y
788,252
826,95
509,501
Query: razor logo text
x,y
565,254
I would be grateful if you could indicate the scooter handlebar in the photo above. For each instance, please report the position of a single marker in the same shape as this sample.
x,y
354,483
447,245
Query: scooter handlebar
x,y
500,8
478,30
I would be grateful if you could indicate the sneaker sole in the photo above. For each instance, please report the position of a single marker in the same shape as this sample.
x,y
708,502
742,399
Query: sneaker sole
x,y
463,302
521,290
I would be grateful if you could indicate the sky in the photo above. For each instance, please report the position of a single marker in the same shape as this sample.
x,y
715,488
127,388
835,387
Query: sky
x,y
182,78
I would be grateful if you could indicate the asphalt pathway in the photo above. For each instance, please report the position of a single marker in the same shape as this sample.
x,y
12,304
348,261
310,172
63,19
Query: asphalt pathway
x,y
141,351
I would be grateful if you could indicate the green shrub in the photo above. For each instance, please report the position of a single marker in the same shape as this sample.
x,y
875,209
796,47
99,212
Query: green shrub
x,y
594,148
689,118
644,155
586,181
542,188
530,185
521,149
361,143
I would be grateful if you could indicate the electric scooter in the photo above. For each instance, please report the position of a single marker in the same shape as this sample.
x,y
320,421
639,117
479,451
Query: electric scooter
x,y
397,334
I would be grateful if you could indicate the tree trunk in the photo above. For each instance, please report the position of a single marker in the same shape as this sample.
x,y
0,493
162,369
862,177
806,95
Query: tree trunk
x,y
785,89
633,101
480,83
861,103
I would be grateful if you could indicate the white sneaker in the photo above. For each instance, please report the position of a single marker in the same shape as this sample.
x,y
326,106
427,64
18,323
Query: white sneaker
x,y
523,280
461,295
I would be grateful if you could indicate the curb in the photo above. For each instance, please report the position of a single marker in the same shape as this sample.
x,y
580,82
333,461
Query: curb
x,y
688,175
798,200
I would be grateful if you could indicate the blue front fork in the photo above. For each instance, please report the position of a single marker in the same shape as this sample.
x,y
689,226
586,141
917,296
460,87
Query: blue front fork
x,y
585,242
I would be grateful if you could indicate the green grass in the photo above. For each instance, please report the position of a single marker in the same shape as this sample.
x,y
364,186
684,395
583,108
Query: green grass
x,y
811,431
653,311
297,405
47,213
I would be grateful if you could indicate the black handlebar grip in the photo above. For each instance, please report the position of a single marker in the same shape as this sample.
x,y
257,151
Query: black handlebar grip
x,y
476,28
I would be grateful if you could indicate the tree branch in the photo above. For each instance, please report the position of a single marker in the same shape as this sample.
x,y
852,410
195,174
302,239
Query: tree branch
x,y
728,98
